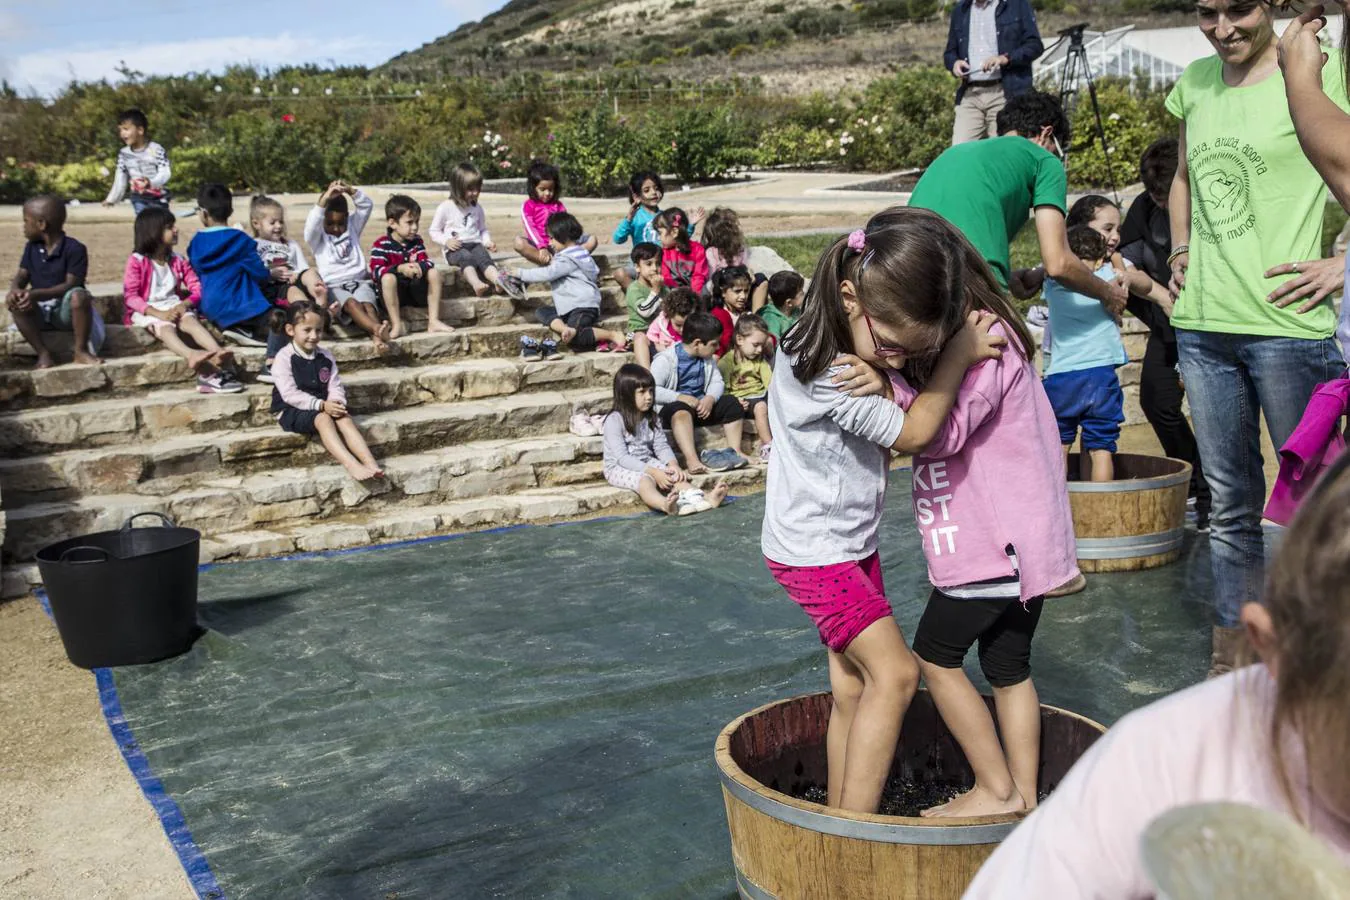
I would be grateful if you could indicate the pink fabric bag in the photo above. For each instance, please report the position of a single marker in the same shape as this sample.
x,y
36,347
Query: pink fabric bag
x,y
1310,450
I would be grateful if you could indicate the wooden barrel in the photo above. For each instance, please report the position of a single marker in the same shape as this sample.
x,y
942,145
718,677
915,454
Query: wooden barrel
x,y
1137,521
789,849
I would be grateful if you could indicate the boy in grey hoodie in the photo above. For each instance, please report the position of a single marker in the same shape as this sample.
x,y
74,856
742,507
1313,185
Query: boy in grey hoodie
x,y
574,279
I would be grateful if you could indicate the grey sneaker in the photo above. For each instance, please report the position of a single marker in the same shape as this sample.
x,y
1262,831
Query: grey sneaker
x,y
530,350
217,384
514,287
265,376
550,349
239,336
723,460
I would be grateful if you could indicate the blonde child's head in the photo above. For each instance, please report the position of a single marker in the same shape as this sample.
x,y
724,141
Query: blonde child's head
x,y
267,218
635,396
466,183
722,230
1099,214
751,337
893,293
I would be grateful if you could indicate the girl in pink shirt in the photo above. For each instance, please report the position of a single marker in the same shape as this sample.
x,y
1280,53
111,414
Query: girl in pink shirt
x,y
1271,736
992,506
684,262
543,184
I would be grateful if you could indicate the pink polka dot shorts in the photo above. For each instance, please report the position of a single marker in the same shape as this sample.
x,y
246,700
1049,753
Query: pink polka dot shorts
x,y
842,599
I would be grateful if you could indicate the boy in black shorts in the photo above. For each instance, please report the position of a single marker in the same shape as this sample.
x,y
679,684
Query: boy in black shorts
x,y
690,391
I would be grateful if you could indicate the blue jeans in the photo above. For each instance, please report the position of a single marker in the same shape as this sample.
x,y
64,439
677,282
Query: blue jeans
x,y
140,202
1231,380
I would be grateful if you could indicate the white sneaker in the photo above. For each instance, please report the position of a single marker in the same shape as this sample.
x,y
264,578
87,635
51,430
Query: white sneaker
x,y
691,501
581,424
216,384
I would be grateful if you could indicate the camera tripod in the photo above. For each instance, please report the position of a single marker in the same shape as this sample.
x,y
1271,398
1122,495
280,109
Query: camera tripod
x,y
1075,73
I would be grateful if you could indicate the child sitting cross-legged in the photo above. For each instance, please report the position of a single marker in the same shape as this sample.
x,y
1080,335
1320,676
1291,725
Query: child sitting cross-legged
x,y
787,290
690,391
543,184
334,236
638,456
399,261
308,397
643,299
160,292
747,373
574,279
666,329
292,278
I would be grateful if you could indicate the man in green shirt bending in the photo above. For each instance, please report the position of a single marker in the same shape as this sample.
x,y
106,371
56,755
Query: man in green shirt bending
x,y
988,188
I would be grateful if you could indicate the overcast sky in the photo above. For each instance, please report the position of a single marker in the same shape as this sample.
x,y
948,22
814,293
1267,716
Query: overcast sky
x,y
43,45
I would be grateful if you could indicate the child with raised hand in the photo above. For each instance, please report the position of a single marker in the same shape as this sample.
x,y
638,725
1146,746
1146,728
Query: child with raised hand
x,y
334,236
574,279
293,279
989,494
1081,378
1271,735
646,190
543,187
643,299
637,455
160,293
821,519
690,392
786,291
747,374
731,289
684,263
399,262
459,227
308,397
725,245
142,165
667,328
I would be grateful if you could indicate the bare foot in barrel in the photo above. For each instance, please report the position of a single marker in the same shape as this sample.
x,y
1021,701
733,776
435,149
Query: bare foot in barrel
x,y
975,802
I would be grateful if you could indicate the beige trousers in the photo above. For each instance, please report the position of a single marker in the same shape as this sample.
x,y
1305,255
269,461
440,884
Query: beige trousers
x,y
977,111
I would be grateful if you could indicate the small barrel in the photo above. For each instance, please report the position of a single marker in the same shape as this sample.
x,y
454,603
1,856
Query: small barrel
x,y
1137,521
789,849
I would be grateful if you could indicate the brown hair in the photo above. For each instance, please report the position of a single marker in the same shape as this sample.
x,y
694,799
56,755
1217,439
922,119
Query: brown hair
x,y
464,178
915,270
1308,598
1086,243
674,218
722,230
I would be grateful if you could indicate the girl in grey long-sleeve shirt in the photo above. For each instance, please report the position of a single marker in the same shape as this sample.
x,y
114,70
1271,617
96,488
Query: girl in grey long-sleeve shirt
x,y
637,455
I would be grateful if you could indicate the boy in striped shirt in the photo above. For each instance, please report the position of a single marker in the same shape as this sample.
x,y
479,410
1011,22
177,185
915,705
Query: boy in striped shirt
x,y
142,165
399,263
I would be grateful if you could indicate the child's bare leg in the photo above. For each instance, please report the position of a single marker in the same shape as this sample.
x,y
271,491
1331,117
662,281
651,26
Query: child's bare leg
x,y
490,275
1103,465
29,323
591,243
1019,724
618,338
682,427
389,290
564,331
356,442
967,718
294,294
718,494
759,296
623,278
332,442
82,314
200,361
476,283
846,683
655,499
642,350
734,431
890,678
435,287
762,424
365,317
202,337
529,251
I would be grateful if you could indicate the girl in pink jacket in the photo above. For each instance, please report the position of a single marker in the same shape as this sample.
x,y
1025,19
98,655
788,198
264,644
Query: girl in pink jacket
x,y
543,184
160,294
992,506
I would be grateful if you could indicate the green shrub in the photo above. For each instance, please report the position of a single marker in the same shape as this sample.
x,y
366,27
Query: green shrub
x,y
1131,122
903,121
599,152
86,181
18,181
706,142
793,144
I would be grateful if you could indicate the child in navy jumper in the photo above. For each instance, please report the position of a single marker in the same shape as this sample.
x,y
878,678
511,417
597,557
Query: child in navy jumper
x,y
399,263
308,397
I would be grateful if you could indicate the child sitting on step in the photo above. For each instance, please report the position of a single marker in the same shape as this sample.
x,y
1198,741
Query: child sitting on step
x,y
643,299
747,372
787,291
399,262
574,279
684,262
731,289
637,455
292,278
308,397
725,245
690,392
460,228
646,190
667,329
334,236
160,293
543,185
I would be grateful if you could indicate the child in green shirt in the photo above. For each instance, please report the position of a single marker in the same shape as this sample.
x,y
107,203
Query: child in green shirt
x,y
786,292
644,298
746,371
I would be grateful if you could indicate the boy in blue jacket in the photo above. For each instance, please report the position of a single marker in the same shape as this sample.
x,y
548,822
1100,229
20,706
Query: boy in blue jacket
x,y
232,275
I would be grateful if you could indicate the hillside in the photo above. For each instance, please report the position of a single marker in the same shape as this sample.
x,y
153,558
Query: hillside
x,y
791,47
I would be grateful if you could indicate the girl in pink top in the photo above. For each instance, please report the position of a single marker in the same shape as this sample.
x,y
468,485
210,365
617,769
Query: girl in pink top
x,y
160,292
992,507
543,184
684,262
1271,735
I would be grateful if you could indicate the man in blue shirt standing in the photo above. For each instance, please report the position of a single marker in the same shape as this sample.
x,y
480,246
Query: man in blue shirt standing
x,y
991,45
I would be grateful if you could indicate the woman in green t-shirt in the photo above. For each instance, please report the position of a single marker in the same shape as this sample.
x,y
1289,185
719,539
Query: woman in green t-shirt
x,y
1246,210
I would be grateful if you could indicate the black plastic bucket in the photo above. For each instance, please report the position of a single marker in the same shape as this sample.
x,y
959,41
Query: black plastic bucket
x,y
124,597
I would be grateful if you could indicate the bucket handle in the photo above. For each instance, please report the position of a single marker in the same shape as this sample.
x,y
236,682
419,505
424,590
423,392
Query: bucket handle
x,y
86,548
164,520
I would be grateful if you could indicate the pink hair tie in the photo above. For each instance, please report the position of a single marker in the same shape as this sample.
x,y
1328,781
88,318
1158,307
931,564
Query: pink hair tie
x,y
857,240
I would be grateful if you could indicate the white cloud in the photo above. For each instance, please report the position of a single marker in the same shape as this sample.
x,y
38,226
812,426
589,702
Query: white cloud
x,y
46,72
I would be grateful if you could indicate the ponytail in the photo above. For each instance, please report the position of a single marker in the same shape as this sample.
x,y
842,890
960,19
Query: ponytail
x,y
822,332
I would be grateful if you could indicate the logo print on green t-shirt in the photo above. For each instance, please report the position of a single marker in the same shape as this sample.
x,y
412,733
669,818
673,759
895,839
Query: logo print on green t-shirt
x,y
1223,174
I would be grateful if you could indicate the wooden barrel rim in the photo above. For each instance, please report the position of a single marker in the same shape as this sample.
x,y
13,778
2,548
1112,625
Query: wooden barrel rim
x,y
864,826
1154,482
1130,546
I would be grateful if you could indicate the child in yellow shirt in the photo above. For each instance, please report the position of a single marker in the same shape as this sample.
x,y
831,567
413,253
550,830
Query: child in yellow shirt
x,y
747,373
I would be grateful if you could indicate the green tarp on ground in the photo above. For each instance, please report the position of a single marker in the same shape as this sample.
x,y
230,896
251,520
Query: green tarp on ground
x,y
531,713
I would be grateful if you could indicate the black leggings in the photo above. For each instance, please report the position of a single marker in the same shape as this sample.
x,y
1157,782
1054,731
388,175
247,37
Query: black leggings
x,y
1003,627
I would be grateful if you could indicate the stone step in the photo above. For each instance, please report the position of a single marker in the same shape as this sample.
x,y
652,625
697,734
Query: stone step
x,y
485,472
